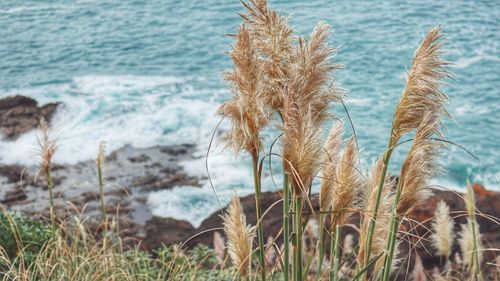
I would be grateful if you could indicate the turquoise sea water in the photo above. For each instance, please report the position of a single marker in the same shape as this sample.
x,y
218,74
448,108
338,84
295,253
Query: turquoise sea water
x,y
149,72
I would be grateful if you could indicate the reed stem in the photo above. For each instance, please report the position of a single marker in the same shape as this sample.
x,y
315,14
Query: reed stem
x,y
393,234
101,190
51,198
294,238
260,230
320,245
373,219
475,255
298,236
334,254
286,227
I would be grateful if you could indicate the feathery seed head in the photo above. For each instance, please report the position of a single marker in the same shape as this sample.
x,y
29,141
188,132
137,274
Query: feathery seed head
x,y
470,200
331,159
306,108
100,153
466,242
348,185
239,236
423,86
382,226
246,109
420,164
273,39
47,146
443,235
219,246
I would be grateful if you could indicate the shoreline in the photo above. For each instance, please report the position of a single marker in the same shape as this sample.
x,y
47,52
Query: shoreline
x,y
131,174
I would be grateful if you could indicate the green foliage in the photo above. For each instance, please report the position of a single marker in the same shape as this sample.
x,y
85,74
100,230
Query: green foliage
x,y
19,233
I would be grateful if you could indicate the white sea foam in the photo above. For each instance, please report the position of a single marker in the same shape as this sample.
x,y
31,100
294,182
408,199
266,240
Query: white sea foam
x,y
465,62
141,111
145,111
136,110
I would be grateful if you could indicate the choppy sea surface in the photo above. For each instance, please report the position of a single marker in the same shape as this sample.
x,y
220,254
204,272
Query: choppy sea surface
x,y
149,72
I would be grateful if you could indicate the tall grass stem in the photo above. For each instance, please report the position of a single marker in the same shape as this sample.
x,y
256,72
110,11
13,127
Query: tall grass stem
x,y
286,227
373,219
260,229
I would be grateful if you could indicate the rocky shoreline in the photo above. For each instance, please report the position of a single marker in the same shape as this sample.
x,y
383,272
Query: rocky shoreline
x,y
132,173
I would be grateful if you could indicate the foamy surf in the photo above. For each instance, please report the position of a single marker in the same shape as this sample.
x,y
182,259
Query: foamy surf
x,y
144,111
137,110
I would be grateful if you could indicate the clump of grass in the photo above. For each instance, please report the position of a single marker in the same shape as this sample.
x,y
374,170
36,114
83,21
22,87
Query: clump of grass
x,y
292,76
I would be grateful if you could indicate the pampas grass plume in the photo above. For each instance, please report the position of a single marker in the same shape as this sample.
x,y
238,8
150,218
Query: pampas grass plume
x,y
47,146
239,236
443,235
332,149
423,86
466,242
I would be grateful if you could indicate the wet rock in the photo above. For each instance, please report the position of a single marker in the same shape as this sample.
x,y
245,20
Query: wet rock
x,y
13,173
139,159
130,175
19,114
14,195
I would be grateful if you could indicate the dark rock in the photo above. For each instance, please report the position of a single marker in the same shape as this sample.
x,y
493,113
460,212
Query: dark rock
x,y
416,239
176,150
19,114
13,173
165,231
14,195
272,221
139,159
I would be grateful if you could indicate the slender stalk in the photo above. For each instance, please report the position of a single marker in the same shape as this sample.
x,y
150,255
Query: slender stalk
x,y
393,234
475,254
260,230
294,241
373,219
320,245
286,226
334,254
298,236
101,189
51,197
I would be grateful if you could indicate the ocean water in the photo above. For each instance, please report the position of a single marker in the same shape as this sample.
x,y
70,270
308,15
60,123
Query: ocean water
x,y
149,72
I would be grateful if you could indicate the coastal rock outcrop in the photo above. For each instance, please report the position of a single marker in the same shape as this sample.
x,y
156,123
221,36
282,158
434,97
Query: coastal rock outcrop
x,y
20,114
131,174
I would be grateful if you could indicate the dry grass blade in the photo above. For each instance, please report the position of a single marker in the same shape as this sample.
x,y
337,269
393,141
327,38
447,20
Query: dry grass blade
x,y
247,108
219,246
423,86
418,273
239,236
